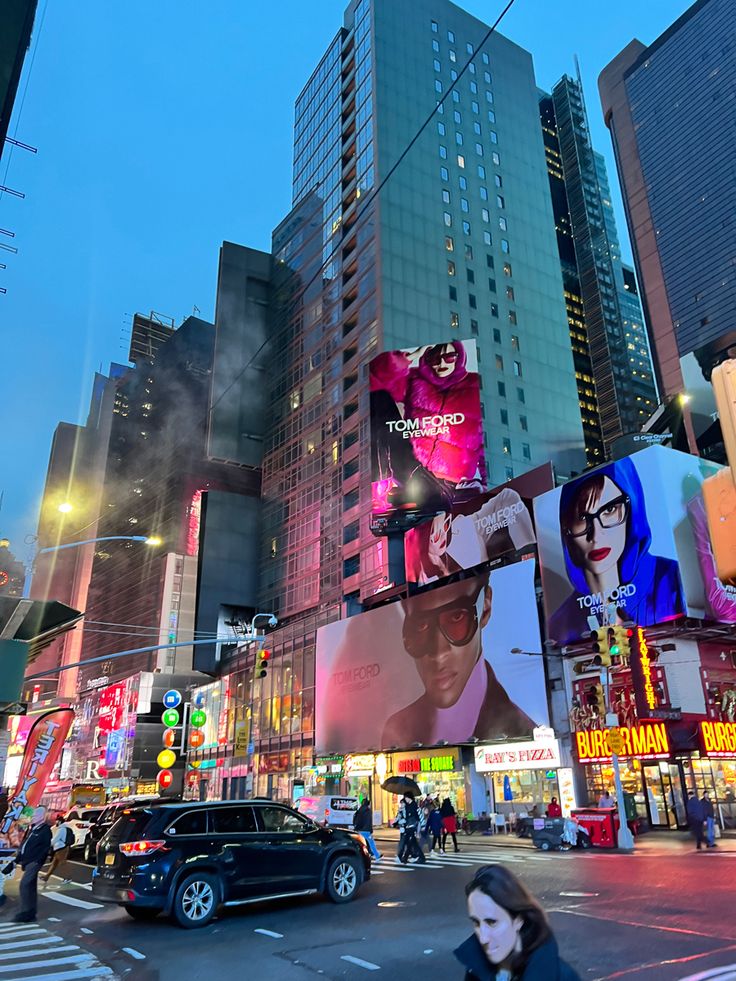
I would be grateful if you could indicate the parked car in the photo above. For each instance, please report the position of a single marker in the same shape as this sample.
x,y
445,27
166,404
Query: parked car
x,y
187,859
105,820
80,819
332,810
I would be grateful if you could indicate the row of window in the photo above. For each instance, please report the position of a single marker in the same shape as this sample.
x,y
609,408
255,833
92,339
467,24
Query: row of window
x,y
468,47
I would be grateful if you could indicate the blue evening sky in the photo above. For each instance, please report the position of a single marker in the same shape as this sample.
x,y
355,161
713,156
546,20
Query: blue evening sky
x,y
163,128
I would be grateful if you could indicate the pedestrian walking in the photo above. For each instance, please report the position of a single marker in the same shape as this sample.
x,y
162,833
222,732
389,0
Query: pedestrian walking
x,y
33,851
449,824
61,845
435,829
710,819
695,818
606,800
511,937
363,824
411,826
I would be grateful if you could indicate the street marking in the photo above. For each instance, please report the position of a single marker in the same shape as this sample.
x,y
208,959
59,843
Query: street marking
x,y
642,926
77,959
85,930
92,973
38,953
53,919
727,972
360,963
269,933
581,895
39,941
430,951
60,897
134,953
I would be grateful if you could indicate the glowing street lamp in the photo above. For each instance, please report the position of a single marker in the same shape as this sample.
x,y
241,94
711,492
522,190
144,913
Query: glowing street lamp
x,y
65,507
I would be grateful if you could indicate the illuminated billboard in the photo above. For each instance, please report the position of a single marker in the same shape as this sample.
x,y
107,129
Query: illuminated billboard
x,y
435,668
426,430
491,527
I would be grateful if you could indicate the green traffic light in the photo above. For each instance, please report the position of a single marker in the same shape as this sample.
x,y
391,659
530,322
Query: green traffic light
x,y
615,649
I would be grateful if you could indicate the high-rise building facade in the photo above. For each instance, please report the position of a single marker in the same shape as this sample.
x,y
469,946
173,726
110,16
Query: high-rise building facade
x,y
667,107
613,364
458,244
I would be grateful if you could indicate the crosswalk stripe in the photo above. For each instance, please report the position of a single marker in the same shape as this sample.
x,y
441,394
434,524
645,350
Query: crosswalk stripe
x,y
92,972
60,897
25,944
43,951
36,954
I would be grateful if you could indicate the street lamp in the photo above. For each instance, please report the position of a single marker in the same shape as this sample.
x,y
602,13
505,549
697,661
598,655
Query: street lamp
x,y
65,508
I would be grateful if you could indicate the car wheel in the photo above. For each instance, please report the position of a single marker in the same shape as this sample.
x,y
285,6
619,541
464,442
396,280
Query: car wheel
x,y
90,855
343,878
196,901
544,845
142,913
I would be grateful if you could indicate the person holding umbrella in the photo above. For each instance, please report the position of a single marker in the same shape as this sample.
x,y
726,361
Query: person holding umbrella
x,y
410,820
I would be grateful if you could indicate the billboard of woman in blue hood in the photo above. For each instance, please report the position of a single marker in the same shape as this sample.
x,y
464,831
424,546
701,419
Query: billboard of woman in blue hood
x,y
606,539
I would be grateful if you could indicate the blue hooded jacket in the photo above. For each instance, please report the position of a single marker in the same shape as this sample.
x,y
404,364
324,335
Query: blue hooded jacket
x,y
658,593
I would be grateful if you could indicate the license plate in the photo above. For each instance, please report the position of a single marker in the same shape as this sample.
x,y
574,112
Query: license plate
x,y
109,859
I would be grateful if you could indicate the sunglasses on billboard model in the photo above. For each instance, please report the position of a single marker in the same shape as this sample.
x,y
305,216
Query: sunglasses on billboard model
x,y
610,515
456,621
449,356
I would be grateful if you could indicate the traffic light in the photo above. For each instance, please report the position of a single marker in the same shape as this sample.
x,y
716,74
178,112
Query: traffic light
x,y
596,699
601,653
620,643
262,663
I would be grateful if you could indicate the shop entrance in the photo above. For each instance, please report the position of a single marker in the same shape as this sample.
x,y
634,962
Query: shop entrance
x,y
662,789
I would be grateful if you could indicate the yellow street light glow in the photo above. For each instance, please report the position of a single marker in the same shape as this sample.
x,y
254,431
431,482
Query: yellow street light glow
x,y
684,398
153,540
65,508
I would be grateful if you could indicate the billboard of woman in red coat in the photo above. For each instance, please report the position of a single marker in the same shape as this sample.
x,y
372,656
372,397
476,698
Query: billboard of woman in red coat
x,y
426,428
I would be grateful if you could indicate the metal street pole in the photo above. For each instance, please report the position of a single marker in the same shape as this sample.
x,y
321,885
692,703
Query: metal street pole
x,y
625,837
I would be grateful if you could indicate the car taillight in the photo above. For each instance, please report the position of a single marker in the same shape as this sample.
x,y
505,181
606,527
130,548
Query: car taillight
x,y
144,847
83,824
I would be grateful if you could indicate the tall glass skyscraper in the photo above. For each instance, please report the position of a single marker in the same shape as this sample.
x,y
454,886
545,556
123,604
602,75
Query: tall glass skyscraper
x,y
458,244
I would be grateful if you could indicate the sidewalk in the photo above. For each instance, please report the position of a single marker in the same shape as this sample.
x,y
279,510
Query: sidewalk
x,y
651,843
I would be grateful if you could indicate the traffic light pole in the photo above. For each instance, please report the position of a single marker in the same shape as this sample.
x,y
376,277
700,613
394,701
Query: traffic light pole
x,y
625,839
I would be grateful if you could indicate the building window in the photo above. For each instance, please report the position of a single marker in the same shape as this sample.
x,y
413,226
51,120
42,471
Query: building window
x,y
476,128
451,37
496,335
437,85
448,218
443,152
489,96
505,246
454,319
489,260
475,107
441,129
453,74
435,45
514,342
483,191
499,362
449,243
486,59
526,451
459,139
463,183
504,417
469,48
498,179
468,251
446,196
464,206
351,566
520,395
491,116
502,389
507,268
453,292
481,172
474,88
444,173
509,473
496,158
472,302
455,95
471,68
485,215
507,445
473,326
487,238
466,228
517,369
509,292
457,116
450,267
500,203
503,224
491,284
453,56
487,77
524,424
479,149
471,275
436,65
512,317
460,160
435,28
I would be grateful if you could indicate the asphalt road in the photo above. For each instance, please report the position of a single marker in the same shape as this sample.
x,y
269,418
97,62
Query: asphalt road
x,y
644,917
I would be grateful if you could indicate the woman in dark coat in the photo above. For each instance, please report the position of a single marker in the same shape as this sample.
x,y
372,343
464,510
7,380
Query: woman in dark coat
x,y
449,823
512,940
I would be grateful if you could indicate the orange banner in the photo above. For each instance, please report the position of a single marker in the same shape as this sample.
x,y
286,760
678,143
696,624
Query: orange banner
x,y
43,749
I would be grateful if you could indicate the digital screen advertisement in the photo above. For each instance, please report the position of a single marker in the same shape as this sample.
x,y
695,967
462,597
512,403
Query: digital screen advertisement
x,y
437,667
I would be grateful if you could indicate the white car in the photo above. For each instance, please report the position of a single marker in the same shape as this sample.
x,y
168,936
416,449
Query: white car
x,y
80,819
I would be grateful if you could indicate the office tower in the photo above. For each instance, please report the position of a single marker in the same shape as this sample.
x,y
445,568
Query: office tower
x,y
159,482
668,108
458,244
614,372
15,39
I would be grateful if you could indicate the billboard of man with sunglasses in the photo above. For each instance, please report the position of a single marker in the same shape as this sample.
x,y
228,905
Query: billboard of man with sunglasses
x,y
599,523
443,633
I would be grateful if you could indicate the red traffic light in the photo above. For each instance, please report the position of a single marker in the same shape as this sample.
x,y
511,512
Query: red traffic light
x,y
265,655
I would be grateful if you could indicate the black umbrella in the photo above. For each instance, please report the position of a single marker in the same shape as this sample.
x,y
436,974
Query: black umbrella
x,y
401,785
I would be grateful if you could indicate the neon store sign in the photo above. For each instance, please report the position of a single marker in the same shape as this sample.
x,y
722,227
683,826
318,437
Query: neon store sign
x,y
432,764
645,741
650,694
718,738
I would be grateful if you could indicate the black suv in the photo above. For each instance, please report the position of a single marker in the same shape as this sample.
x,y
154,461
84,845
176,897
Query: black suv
x,y
186,859
105,820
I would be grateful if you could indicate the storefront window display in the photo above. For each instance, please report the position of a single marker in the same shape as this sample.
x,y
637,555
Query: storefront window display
x,y
439,774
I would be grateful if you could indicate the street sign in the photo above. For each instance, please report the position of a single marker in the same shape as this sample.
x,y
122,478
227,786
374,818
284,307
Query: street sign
x,y
172,699
616,740
170,718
